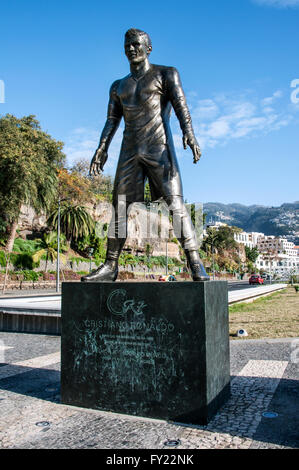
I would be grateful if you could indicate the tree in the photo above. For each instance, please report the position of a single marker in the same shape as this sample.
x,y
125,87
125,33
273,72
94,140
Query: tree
x,y
100,186
149,250
75,221
73,187
29,158
48,247
251,254
220,239
250,267
97,244
213,241
147,193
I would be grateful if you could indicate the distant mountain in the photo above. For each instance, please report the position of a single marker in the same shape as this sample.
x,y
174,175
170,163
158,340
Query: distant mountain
x,y
278,221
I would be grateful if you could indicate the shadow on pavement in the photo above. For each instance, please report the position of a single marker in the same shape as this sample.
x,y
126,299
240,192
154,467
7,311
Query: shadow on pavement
x,y
235,417
283,430
38,383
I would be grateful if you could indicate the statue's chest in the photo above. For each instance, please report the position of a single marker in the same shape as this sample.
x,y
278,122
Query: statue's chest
x,y
137,92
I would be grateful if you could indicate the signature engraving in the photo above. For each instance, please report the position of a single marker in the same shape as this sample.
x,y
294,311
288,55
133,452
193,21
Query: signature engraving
x,y
118,304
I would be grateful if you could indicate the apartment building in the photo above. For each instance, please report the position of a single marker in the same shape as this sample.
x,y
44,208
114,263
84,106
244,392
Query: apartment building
x,y
249,239
277,255
278,245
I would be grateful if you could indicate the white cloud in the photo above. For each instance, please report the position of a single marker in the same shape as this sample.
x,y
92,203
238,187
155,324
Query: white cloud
x,y
82,142
219,128
270,99
226,117
216,120
278,3
205,109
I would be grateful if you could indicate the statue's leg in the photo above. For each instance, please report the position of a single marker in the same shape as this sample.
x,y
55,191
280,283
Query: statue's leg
x,y
117,234
185,233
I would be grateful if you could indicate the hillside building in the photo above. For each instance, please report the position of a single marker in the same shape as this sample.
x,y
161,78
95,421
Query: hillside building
x,y
277,256
249,239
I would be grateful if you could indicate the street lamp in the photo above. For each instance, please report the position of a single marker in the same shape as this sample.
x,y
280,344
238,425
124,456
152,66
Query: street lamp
x,y
58,243
166,258
90,252
213,259
213,262
58,247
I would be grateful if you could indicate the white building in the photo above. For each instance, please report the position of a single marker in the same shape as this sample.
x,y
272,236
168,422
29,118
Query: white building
x,y
277,256
248,238
277,244
214,225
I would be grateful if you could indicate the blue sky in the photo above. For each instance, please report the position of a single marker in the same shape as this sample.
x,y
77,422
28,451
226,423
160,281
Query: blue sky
x,y
236,58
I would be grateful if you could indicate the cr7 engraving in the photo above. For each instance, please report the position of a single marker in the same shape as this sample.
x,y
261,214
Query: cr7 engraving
x,y
118,304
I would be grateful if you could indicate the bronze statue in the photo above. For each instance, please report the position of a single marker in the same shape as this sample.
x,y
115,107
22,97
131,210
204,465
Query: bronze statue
x,y
144,99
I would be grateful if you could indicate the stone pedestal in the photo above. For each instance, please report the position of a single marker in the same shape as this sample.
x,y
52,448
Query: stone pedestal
x,y
151,349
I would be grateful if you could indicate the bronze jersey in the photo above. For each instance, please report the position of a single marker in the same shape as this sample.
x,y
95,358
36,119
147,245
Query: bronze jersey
x,y
147,148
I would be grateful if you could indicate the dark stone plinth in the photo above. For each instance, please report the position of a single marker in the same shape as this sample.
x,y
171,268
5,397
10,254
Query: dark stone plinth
x,y
158,350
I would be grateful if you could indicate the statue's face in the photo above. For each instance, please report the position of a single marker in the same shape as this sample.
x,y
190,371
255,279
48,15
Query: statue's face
x,y
137,49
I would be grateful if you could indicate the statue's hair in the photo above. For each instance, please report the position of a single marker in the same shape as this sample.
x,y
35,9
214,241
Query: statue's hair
x,y
132,32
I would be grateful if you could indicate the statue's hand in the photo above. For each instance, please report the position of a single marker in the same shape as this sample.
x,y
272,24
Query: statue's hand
x,y
193,144
98,161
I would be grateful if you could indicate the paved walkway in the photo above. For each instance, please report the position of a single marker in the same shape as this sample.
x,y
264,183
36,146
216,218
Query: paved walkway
x,y
264,379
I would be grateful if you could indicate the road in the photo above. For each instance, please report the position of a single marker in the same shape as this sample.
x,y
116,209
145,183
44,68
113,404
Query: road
x,y
232,285
237,285
49,304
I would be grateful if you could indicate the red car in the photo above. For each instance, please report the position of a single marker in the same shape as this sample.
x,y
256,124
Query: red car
x,y
256,279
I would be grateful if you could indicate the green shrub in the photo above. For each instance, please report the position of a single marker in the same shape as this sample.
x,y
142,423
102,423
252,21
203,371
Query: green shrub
x,y
25,275
2,259
25,246
23,261
30,276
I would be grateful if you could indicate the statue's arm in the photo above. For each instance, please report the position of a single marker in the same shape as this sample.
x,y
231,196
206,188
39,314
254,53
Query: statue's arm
x,y
114,115
178,101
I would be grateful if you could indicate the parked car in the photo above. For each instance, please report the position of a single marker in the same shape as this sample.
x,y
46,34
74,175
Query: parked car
x,y
266,276
169,278
256,279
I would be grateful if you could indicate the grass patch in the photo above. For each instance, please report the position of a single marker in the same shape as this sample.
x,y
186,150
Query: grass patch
x,y
274,316
251,306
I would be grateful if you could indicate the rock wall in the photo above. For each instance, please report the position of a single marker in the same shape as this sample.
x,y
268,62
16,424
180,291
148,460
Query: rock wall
x,y
145,227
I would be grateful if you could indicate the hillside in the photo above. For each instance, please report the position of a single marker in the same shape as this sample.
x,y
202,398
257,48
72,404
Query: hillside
x,y
278,221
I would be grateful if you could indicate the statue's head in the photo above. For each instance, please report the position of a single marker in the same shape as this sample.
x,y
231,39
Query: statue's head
x,y
138,45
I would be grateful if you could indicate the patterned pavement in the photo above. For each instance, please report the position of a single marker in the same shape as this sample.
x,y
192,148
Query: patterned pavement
x,y
264,379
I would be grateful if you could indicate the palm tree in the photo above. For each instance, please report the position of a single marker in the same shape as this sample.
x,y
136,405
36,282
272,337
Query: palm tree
x,y
75,221
48,247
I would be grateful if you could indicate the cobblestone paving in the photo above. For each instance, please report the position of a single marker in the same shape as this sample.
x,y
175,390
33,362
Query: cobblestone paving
x,y
32,396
